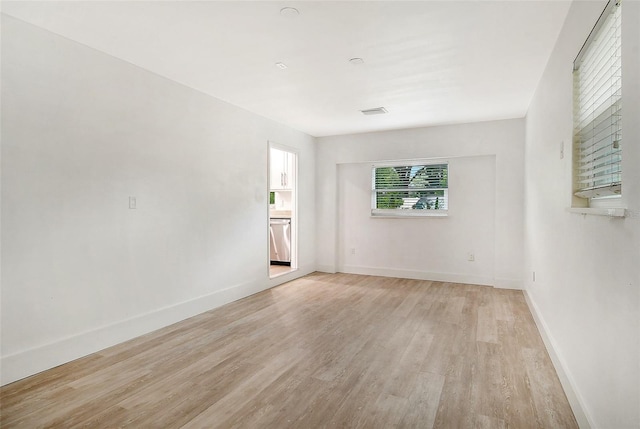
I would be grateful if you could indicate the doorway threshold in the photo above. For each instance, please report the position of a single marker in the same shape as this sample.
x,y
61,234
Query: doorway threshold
x,y
279,270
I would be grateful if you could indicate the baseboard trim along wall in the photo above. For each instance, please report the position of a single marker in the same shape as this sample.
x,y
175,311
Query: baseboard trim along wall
x,y
576,402
418,275
38,359
326,269
502,283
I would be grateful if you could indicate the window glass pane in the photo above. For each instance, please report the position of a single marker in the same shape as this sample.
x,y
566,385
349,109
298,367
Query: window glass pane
x,y
410,188
597,110
412,200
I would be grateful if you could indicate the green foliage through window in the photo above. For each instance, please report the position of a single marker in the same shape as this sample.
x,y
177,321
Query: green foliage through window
x,y
411,187
388,178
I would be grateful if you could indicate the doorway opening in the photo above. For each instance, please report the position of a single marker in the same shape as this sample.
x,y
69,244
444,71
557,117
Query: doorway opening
x,y
283,176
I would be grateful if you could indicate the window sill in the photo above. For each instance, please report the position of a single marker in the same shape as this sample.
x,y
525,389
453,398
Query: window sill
x,y
610,212
410,214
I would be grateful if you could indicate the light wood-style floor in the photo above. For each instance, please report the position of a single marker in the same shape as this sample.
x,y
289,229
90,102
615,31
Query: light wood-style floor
x,y
322,351
276,270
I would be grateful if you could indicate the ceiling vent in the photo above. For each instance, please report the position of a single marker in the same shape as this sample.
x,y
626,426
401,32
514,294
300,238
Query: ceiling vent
x,y
375,111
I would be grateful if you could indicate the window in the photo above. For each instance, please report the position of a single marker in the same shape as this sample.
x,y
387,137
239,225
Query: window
x,y
410,190
597,109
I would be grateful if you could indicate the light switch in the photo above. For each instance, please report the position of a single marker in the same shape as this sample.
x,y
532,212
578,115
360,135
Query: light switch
x,y
132,202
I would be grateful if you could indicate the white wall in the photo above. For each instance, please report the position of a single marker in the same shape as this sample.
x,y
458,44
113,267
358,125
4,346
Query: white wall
x,y
434,248
83,131
586,294
474,146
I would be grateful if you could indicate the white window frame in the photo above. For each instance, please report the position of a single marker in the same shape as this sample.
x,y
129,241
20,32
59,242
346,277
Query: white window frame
x,y
597,114
408,212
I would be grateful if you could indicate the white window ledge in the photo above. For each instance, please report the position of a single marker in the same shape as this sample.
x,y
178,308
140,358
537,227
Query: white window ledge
x,y
409,214
611,212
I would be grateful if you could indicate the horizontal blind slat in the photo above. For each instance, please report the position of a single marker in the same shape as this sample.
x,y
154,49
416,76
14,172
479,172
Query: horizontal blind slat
x,y
608,168
605,138
607,159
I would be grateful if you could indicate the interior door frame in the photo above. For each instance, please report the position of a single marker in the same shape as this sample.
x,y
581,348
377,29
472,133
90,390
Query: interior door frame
x,y
294,205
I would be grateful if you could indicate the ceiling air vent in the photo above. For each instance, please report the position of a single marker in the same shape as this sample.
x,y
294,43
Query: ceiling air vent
x,y
375,111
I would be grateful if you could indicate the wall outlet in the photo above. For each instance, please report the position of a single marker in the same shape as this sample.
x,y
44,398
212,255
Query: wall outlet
x,y
133,203
471,257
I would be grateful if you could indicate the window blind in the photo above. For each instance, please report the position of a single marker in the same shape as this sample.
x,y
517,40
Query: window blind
x,y
410,189
598,109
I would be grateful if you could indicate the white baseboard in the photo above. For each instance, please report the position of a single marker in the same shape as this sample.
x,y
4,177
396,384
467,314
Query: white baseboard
x,y
29,362
331,269
417,275
502,283
575,400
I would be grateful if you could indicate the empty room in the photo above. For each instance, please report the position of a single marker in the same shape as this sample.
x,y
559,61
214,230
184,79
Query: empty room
x,y
309,214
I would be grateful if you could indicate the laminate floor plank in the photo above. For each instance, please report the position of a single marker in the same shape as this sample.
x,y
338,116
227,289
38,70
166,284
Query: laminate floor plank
x,y
361,397
424,401
404,380
487,383
244,391
546,398
323,351
487,330
519,410
454,408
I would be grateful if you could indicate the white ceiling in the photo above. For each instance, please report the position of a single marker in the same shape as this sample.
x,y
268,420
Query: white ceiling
x,y
426,62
